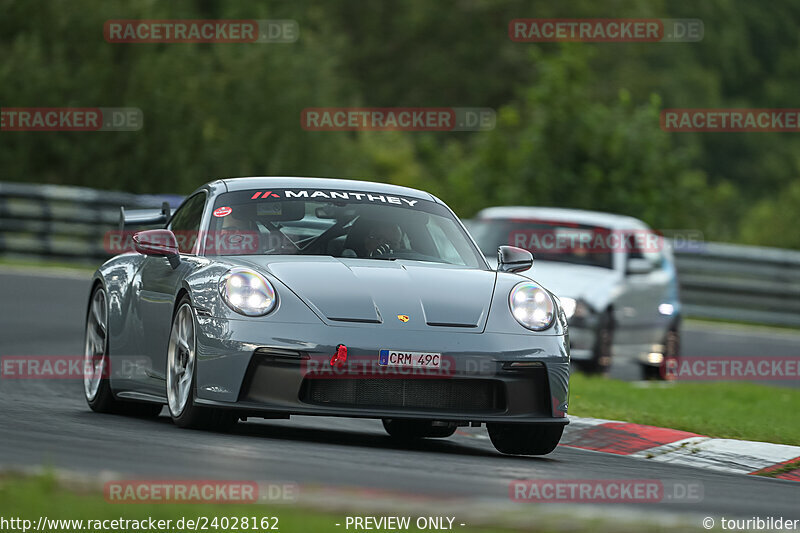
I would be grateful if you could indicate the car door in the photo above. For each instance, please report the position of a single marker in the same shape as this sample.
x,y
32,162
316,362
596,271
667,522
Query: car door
x,y
159,282
637,307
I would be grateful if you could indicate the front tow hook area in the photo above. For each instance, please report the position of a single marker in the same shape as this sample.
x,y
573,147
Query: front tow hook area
x,y
340,357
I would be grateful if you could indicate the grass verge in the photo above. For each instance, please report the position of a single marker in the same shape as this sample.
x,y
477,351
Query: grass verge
x,y
46,264
732,410
30,498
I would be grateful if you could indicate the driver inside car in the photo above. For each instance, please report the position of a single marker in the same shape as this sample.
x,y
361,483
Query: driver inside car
x,y
373,238
235,235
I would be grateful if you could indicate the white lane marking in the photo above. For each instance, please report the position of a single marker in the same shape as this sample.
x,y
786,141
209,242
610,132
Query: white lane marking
x,y
727,455
588,421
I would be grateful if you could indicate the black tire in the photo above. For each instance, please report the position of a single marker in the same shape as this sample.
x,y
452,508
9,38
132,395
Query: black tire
x,y
206,419
192,416
603,346
651,373
416,429
525,439
104,401
672,354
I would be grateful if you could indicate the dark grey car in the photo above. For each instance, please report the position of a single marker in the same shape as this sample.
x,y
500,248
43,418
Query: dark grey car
x,y
267,297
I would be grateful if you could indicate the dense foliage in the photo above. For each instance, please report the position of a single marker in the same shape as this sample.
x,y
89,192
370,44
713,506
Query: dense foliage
x,y
578,124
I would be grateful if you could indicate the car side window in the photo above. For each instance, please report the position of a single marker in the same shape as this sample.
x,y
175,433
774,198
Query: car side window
x,y
645,245
185,223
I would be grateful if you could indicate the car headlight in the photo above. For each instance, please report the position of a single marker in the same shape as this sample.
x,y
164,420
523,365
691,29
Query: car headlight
x,y
575,308
532,306
247,292
568,305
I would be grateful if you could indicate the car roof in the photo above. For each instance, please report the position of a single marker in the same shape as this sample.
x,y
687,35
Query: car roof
x,y
558,214
240,184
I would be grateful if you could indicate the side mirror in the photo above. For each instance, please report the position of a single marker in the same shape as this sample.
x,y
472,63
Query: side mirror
x,y
160,242
639,266
513,259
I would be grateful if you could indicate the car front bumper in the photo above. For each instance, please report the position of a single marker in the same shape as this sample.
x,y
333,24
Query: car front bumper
x,y
276,369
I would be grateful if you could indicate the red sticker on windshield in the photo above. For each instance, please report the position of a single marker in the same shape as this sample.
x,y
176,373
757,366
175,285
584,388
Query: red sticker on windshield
x,y
222,211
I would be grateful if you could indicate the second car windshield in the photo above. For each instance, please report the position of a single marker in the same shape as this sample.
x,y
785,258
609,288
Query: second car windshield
x,y
547,240
339,224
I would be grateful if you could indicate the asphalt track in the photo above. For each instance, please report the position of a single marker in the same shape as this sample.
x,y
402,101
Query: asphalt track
x,y
47,422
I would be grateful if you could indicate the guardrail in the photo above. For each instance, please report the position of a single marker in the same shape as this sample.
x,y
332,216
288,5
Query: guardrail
x,y
741,283
63,223
718,281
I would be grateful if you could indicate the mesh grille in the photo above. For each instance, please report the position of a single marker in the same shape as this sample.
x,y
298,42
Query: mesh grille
x,y
431,394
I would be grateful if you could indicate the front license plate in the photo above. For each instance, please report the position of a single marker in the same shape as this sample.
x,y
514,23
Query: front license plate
x,y
410,359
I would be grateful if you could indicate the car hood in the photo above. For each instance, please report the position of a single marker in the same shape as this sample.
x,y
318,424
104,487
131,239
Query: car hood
x,y
593,284
575,281
349,290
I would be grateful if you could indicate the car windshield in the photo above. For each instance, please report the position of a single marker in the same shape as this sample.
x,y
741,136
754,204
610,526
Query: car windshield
x,y
547,240
337,223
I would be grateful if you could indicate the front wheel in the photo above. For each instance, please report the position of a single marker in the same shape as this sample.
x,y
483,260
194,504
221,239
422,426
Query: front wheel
x,y
182,377
603,348
525,439
672,353
96,365
603,345
416,429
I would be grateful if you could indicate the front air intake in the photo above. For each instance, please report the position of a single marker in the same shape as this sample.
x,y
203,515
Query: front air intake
x,y
472,395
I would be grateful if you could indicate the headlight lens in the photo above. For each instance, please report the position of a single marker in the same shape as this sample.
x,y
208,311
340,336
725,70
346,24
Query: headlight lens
x,y
532,306
574,308
247,292
568,305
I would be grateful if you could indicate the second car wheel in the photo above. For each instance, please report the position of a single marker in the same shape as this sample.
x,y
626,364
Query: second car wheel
x,y
603,348
604,343
672,353
525,439
416,429
182,377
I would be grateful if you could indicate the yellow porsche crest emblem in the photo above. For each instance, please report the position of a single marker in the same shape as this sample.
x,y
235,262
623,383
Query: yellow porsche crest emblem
x,y
402,318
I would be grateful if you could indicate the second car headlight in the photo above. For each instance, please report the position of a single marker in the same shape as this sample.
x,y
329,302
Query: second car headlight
x,y
247,292
568,305
574,308
532,306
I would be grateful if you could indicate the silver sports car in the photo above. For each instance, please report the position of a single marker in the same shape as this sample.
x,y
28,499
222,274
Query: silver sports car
x,y
267,297
621,298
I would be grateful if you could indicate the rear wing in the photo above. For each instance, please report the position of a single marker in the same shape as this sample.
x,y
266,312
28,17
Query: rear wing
x,y
144,217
